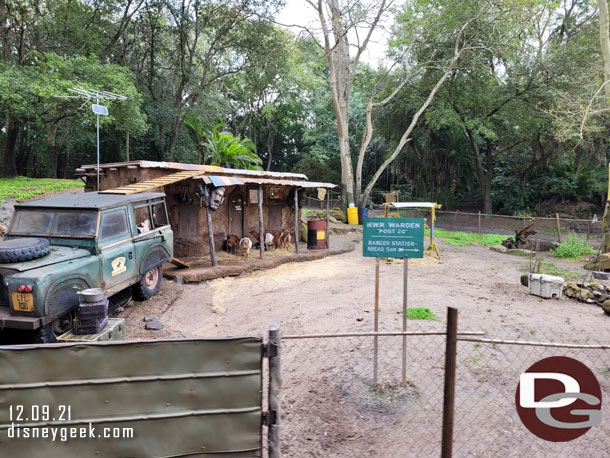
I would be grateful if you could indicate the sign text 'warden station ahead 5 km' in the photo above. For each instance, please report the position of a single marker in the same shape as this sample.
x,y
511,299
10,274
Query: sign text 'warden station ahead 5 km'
x,y
393,237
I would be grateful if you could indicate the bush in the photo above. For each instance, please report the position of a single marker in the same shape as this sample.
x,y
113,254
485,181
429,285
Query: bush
x,y
421,313
572,247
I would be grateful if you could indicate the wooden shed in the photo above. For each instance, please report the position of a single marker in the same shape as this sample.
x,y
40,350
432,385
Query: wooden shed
x,y
252,199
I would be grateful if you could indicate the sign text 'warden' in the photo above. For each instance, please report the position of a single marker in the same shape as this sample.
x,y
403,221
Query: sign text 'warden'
x,y
393,237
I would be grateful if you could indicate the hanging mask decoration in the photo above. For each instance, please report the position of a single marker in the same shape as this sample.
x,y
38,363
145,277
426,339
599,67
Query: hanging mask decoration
x,y
217,197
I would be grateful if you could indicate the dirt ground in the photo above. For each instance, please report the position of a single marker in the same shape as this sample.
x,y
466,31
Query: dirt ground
x,y
329,408
330,294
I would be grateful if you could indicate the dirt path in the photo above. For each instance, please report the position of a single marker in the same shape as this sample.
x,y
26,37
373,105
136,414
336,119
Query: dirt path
x,y
330,294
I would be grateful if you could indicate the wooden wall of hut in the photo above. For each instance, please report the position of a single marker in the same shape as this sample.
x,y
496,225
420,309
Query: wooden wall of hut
x,y
237,215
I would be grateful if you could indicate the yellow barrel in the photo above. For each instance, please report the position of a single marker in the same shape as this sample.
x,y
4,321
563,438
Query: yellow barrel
x,y
352,215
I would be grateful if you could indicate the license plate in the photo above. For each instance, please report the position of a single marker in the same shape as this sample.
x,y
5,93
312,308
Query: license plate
x,y
23,302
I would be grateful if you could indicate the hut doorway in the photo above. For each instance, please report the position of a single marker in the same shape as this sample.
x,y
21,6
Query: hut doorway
x,y
236,214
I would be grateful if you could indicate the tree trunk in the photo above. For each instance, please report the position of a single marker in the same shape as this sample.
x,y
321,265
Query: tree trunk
x,y
127,145
173,136
12,132
269,145
604,38
483,176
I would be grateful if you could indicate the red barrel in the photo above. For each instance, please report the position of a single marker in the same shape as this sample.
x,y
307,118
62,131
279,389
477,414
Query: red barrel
x,y
316,235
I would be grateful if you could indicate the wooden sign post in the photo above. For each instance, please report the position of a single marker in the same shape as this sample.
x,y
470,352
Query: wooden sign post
x,y
393,238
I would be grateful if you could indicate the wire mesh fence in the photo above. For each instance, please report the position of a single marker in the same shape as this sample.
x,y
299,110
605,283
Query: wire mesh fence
x,y
548,228
332,408
487,423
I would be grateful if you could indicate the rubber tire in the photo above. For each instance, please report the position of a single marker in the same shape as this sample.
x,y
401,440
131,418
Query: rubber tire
x,y
25,249
141,292
44,334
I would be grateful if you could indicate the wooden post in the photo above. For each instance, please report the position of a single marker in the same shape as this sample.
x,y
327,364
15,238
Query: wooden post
x,y
210,227
558,228
479,222
449,396
296,220
260,221
275,385
376,325
454,218
589,229
404,321
524,221
327,219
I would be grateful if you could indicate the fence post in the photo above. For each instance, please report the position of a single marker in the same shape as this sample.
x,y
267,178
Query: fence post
x,y
275,384
558,228
376,325
479,222
589,229
454,218
449,396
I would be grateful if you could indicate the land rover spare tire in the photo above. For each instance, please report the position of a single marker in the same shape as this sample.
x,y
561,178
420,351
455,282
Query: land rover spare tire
x,y
25,249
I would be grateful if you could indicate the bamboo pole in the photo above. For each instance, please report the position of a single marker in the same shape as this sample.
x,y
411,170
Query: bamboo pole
x,y
296,220
449,394
261,229
558,228
384,334
327,233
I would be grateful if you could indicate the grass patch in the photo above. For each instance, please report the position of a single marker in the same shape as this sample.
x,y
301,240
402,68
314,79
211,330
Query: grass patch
x,y
573,246
22,188
457,238
421,313
549,268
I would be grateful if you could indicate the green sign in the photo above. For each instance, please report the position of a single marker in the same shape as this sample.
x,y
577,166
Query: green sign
x,y
393,237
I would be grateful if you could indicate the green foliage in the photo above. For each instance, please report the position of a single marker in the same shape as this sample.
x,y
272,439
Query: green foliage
x,y
573,246
550,268
456,238
22,188
420,313
226,150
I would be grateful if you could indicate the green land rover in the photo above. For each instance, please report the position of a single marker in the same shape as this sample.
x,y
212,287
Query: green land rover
x,y
58,246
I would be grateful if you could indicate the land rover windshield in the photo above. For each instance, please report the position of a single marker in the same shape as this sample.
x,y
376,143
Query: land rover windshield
x,y
54,223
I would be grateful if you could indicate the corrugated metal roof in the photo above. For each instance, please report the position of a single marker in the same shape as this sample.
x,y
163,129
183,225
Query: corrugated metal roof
x,y
148,185
186,167
228,181
89,200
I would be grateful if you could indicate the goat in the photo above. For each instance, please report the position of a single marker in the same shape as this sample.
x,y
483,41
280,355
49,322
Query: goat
x,y
269,239
245,244
255,238
144,226
231,243
285,239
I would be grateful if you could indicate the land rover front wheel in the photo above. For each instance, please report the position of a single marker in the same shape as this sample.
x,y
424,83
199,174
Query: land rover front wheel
x,y
148,285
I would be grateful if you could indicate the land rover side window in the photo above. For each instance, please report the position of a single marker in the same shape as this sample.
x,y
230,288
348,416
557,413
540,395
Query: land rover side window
x,y
114,225
75,224
159,215
32,222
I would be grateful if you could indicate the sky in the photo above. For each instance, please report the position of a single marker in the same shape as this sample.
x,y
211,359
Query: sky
x,y
301,13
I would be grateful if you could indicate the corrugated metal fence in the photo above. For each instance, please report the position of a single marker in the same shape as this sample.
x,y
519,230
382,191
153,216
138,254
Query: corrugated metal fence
x,y
132,399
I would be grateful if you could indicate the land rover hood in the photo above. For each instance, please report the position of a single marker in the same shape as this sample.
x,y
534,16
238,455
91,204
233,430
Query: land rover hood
x,y
56,255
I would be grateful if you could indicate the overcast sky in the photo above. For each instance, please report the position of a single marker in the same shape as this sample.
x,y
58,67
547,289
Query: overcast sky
x,y
301,13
